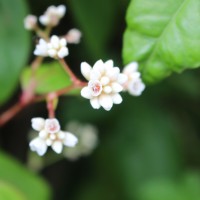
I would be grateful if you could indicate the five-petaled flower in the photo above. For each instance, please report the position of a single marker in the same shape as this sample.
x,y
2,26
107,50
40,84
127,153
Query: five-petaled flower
x,y
105,83
134,84
52,15
50,135
55,48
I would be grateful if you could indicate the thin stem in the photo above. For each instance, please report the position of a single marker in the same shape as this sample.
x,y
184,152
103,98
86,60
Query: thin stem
x,y
68,70
51,110
41,33
28,97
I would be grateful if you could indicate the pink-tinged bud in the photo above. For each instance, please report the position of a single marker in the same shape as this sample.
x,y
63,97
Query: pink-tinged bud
x,y
30,22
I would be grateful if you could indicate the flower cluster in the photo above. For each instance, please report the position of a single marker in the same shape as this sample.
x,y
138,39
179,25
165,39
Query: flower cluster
x,y
87,136
103,86
50,135
134,84
55,48
52,15
50,18
105,82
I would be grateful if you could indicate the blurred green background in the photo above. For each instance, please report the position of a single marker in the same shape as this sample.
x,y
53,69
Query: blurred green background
x,y
149,146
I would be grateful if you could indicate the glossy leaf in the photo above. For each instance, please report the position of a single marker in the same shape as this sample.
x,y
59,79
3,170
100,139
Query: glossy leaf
x,y
14,46
164,36
48,77
23,181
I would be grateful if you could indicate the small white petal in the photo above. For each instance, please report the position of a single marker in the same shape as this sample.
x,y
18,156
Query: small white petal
x,y
63,52
86,93
106,102
43,134
52,125
122,78
41,48
107,89
85,70
49,142
95,103
63,42
44,20
109,63
52,136
61,9
113,73
117,99
57,146
61,135
95,75
116,87
55,41
38,145
104,80
134,75
52,53
99,66
37,123
70,139
130,68
136,87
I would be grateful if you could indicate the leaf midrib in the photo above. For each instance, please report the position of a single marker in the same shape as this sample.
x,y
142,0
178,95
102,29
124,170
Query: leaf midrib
x,y
163,32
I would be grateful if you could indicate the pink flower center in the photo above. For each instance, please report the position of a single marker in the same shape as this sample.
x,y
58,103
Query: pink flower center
x,y
95,86
52,126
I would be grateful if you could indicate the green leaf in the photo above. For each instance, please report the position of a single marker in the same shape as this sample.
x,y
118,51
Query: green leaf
x,y
22,181
164,36
48,77
14,46
8,192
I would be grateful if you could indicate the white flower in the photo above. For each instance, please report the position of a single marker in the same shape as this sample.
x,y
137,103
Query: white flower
x,y
52,15
105,83
55,48
87,136
134,84
73,36
41,48
50,135
30,22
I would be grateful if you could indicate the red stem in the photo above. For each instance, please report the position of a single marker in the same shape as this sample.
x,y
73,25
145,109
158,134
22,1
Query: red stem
x,y
28,96
68,70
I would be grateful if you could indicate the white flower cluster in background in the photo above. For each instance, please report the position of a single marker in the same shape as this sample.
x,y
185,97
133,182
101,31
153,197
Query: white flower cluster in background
x,y
52,15
105,83
134,84
50,135
50,18
87,136
55,48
